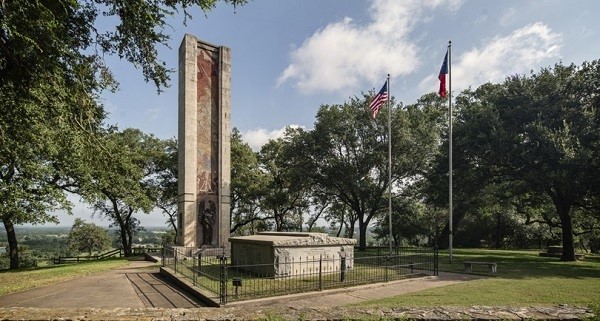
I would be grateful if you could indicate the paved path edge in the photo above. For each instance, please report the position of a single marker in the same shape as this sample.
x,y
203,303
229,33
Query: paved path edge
x,y
205,296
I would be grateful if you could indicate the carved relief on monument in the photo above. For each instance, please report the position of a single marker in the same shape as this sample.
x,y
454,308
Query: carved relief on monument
x,y
204,144
207,182
207,217
207,102
208,145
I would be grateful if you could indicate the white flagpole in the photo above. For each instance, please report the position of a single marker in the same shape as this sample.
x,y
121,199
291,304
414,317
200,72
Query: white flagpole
x,y
389,162
450,232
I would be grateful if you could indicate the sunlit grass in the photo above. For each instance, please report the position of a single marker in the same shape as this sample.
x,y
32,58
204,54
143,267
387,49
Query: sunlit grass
x,y
524,278
24,279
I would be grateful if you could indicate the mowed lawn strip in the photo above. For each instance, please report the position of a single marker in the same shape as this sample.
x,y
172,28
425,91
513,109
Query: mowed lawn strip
x,y
24,279
523,279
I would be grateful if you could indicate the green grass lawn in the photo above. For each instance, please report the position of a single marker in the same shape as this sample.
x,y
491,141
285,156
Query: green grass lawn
x,y
24,279
523,279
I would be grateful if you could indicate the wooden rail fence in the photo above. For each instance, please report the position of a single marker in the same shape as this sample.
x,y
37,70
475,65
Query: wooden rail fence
x,y
109,254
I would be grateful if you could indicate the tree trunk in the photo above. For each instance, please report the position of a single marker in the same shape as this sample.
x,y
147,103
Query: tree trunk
x,y
122,232
443,240
568,252
13,249
339,231
126,249
350,232
563,209
278,221
173,221
362,238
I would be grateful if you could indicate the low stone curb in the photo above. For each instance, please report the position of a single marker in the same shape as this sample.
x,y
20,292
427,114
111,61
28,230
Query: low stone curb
x,y
280,313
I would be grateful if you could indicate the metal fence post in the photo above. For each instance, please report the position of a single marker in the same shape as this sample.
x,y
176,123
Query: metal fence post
x,y
175,260
342,266
223,279
320,272
199,261
435,261
387,257
194,270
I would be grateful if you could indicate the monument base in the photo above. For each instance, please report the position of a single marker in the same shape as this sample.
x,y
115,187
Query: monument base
x,y
286,254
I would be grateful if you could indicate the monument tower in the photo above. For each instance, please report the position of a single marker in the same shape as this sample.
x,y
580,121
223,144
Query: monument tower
x,y
204,144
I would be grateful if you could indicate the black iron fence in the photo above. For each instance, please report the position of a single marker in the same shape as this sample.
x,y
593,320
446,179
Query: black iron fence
x,y
213,271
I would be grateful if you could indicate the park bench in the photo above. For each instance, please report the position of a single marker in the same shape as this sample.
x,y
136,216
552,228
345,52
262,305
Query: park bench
x,y
469,265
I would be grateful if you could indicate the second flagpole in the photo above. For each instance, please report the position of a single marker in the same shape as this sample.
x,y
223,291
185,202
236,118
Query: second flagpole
x,y
389,163
450,231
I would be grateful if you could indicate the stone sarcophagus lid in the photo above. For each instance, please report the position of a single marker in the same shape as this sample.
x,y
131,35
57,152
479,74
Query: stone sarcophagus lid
x,y
287,254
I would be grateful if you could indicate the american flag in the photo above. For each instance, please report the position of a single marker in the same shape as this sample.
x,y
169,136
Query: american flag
x,y
379,100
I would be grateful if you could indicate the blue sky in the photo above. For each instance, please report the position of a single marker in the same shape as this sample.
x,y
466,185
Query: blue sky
x,y
290,57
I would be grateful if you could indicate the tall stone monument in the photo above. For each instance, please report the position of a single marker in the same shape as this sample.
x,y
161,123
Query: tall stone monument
x,y
204,144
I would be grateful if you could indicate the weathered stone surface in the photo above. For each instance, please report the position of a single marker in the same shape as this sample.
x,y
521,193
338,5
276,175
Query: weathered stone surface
x,y
303,313
291,239
204,144
286,254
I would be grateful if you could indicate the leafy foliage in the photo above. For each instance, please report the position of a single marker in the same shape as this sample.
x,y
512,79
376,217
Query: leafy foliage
x,y
539,135
87,237
164,182
119,183
247,188
52,71
285,183
348,154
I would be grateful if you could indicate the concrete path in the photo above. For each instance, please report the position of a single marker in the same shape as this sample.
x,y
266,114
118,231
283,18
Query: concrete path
x,y
132,286
137,292
139,285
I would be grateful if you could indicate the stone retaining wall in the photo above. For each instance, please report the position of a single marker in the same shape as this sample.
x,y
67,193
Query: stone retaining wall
x,y
243,313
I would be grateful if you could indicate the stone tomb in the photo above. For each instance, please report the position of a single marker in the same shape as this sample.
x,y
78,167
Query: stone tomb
x,y
287,254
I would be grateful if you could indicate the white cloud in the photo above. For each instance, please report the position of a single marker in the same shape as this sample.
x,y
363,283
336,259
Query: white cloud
x,y
343,53
521,51
508,17
256,138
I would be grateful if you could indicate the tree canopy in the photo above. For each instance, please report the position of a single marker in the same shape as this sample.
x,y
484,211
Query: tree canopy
x,y
121,180
87,237
52,71
539,134
525,165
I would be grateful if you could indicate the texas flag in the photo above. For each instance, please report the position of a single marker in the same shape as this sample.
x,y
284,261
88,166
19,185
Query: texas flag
x,y
442,77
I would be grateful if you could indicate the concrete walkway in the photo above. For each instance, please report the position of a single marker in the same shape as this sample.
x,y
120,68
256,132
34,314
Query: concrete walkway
x,y
132,286
139,285
138,292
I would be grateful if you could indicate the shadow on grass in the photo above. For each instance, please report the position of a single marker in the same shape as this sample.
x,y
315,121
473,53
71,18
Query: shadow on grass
x,y
522,264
